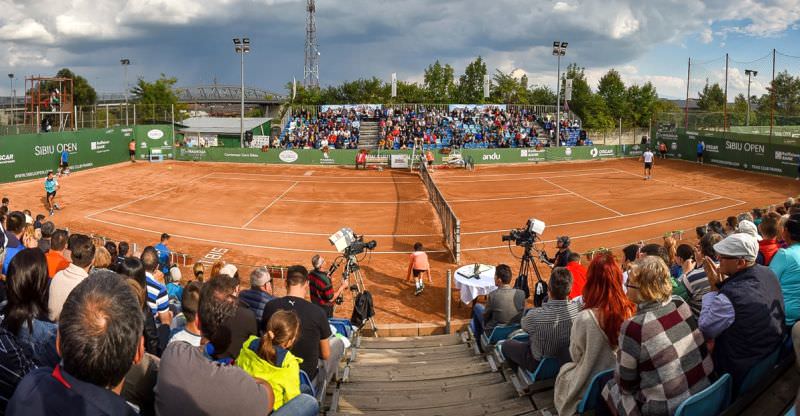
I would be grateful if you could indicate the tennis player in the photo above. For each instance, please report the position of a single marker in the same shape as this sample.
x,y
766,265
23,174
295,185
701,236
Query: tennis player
x,y
419,266
647,157
51,186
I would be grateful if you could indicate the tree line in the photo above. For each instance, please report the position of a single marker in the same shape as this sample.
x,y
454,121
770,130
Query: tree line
x,y
783,94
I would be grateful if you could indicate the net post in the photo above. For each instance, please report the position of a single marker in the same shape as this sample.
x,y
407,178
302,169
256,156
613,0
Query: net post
x,y
448,301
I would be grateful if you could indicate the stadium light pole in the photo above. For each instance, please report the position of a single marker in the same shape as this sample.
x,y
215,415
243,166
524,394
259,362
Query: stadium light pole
x,y
12,95
241,46
559,50
749,72
125,62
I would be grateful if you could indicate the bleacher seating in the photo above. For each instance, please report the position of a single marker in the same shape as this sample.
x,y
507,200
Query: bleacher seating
x,y
592,397
711,401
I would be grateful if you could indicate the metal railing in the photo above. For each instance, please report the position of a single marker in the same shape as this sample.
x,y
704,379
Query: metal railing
x,y
451,225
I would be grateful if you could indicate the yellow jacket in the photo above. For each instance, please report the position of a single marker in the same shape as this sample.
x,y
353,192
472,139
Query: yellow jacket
x,y
285,380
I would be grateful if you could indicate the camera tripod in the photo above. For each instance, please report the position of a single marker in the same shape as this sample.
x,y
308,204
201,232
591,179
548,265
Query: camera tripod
x,y
527,264
351,267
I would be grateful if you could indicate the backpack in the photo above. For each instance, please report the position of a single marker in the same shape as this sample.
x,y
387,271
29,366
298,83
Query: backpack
x,y
522,284
539,293
362,309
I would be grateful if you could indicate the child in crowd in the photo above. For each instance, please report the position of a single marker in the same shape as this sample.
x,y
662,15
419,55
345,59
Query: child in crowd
x,y
418,265
198,269
174,288
269,358
184,325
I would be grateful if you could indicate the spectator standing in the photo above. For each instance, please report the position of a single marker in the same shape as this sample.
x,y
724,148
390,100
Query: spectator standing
x,y
418,265
15,225
504,304
260,291
578,275
315,340
82,256
663,358
745,303
768,245
15,363
157,298
701,147
594,337
56,261
548,327
269,358
100,337
786,265
25,314
132,149
185,370
321,286
164,253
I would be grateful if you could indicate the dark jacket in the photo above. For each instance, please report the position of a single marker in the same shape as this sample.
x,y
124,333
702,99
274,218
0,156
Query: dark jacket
x,y
757,329
256,300
150,333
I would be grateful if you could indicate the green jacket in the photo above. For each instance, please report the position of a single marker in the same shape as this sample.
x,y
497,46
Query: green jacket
x,y
285,380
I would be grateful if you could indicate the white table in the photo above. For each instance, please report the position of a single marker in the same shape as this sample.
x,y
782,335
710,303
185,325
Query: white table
x,y
472,288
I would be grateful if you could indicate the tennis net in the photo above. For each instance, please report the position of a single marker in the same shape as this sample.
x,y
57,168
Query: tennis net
x,y
451,225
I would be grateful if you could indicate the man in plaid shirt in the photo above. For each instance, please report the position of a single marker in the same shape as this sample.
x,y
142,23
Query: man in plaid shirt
x,y
663,358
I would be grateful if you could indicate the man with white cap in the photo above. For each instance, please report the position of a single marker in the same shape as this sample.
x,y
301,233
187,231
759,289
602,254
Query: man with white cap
x,y
744,312
748,227
260,291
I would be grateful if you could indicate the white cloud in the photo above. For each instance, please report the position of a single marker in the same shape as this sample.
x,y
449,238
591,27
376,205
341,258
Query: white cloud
x,y
561,6
707,36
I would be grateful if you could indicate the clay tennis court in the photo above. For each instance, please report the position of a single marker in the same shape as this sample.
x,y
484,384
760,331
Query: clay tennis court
x,y
281,215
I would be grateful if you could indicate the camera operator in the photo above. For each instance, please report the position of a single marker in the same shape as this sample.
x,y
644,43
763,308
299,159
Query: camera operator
x,y
321,286
562,255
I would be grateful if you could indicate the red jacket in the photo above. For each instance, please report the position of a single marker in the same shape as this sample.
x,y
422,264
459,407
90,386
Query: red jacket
x,y
767,249
578,278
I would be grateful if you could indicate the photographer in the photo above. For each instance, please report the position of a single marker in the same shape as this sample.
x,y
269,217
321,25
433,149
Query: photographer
x,y
562,255
321,286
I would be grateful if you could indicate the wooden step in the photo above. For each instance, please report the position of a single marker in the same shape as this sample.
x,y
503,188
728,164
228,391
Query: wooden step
x,y
411,342
407,373
414,352
511,407
414,359
445,384
395,400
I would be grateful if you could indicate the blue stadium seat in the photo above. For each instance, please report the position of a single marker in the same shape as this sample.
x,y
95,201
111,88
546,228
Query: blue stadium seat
x,y
498,333
519,336
546,370
792,411
711,401
306,385
343,326
592,394
759,371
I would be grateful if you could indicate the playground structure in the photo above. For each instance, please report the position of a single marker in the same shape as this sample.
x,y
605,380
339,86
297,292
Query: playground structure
x,y
49,103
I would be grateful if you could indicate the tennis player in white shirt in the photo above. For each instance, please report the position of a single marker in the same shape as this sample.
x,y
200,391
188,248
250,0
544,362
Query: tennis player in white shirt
x,y
647,157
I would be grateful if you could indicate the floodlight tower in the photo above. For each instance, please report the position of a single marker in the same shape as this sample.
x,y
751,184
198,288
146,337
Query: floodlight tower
x,y
749,73
559,50
311,66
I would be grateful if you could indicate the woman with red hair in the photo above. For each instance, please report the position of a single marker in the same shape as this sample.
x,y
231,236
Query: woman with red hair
x,y
594,338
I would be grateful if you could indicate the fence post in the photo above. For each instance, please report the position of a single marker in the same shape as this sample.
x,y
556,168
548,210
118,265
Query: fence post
x,y
448,296
134,113
108,110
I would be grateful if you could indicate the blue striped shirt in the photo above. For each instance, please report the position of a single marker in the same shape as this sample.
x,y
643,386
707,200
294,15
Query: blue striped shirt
x,y
157,298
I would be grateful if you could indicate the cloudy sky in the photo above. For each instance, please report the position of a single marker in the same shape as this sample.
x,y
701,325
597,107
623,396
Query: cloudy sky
x,y
646,40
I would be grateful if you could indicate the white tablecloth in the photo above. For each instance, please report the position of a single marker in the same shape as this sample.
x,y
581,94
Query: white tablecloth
x,y
472,288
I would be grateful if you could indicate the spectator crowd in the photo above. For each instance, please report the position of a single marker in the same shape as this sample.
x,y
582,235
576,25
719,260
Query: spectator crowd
x,y
663,324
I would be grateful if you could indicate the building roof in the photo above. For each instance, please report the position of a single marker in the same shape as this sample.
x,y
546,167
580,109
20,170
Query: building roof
x,y
220,125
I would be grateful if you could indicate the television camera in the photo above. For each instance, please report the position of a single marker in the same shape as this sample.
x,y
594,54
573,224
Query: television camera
x,y
350,245
526,237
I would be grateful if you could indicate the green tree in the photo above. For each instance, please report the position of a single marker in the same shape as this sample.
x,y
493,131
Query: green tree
x,y
439,82
712,98
470,84
155,100
255,112
641,104
83,93
737,114
612,90
541,95
787,94
590,107
508,89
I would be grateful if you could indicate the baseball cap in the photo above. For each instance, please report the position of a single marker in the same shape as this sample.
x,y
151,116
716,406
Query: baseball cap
x,y
175,274
748,227
260,277
229,270
738,245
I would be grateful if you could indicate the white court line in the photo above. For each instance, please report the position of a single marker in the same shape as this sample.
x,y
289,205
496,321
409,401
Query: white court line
x,y
530,173
146,196
682,187
445,181
232,243
621,229
583,197
261,230
322,181
270,205
425,201
311,173
608,218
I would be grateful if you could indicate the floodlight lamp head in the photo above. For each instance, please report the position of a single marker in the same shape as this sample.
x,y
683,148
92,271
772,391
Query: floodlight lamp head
x,y
11,75
237,41
246,41
564,45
